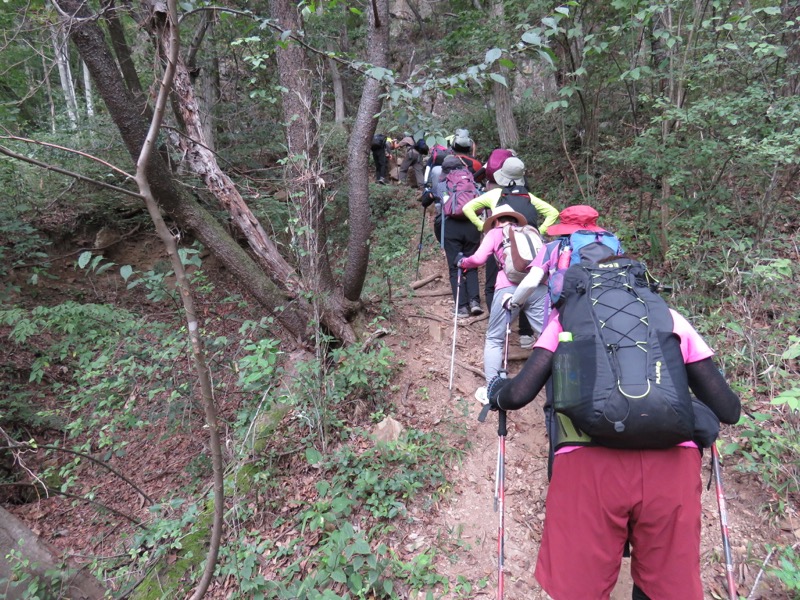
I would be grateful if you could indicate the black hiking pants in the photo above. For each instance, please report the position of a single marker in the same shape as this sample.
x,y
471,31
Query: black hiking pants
x,y
381,164
460,237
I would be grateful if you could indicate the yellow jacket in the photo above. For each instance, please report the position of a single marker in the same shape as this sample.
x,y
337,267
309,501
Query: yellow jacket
x,y
488,200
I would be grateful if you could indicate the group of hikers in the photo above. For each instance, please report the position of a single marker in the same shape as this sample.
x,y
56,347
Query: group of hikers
x,y
618,365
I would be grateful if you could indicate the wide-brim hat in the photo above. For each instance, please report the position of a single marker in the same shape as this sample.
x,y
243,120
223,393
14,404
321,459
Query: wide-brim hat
x,y
575,218
513,169
504,210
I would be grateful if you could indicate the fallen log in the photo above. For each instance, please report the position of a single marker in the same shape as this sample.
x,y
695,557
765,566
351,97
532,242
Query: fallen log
x,y
425,281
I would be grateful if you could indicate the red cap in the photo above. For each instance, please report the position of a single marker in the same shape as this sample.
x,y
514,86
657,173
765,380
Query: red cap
x,y
575,218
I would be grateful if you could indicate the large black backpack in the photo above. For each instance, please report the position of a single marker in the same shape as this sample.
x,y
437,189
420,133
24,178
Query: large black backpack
x,y
621,381
517,197
378,141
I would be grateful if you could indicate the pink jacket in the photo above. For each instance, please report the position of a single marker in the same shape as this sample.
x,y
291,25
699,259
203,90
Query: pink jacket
x,y
492,244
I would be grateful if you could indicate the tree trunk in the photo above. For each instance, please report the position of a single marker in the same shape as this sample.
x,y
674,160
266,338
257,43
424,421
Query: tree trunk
x,y
503,104
61,51
293,313
303,171
87,91
43,564
360,217
339,113
123,53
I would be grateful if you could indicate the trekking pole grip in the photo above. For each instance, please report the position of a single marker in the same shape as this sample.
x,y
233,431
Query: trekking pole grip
x,y
501,423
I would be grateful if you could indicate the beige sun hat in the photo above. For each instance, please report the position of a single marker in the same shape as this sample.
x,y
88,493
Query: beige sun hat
x,y
504,210
513,169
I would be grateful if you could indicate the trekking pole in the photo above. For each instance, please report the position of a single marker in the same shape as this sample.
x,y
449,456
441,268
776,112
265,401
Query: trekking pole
x,y
723,521
455,329
421,232
500,474
500,499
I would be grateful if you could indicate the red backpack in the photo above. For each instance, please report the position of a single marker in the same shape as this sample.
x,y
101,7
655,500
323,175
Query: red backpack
x,y
496,160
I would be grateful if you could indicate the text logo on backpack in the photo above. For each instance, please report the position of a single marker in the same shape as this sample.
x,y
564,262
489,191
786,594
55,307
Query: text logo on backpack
x,y
521,244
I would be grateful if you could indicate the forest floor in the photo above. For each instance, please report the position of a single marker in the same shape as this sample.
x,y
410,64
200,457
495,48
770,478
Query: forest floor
x,y
463,525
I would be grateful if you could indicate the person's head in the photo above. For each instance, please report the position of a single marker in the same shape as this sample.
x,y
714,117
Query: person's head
x,y
575,218
501,215
513,170
450,163
462,144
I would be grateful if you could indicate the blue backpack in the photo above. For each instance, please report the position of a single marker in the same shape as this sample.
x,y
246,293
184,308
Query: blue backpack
x,y
581,248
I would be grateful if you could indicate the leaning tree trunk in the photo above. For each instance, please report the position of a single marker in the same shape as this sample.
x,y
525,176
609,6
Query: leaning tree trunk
x,y
42,564
292,312
303,171
360,217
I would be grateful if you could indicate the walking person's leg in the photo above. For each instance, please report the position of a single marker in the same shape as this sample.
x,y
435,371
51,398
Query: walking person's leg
x,y
491,277
471,239
452,248
381,165
408,161
495,337
534,309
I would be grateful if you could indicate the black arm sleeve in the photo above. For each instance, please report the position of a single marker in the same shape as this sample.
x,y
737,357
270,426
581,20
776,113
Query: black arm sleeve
x,y
523,388
711,389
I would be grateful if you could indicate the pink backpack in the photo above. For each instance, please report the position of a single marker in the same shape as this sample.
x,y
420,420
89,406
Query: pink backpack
x,y
496,160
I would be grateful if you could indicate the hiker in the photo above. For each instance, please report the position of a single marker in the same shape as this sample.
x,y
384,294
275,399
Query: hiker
x,y
413,160
381,153
510,189
492,249
600,497
462,146
459,144
456,236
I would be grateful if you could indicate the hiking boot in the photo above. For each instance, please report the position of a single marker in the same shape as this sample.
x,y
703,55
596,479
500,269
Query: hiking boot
x,y
480,395
382,181
463,312
475,308
526,342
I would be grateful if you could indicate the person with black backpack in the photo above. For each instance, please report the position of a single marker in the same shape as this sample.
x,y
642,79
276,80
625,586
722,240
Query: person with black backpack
x,y
413,160
628,436
456,186
381,152
510,189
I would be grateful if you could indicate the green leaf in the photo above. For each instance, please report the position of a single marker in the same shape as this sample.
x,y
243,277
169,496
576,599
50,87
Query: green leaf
x,y
125,271
563,10
508,64
388,587
532,37
84,259
492,55
338,576
499,78
313,456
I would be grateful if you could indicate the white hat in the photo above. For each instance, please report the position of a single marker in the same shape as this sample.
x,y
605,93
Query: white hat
x,y
513,169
